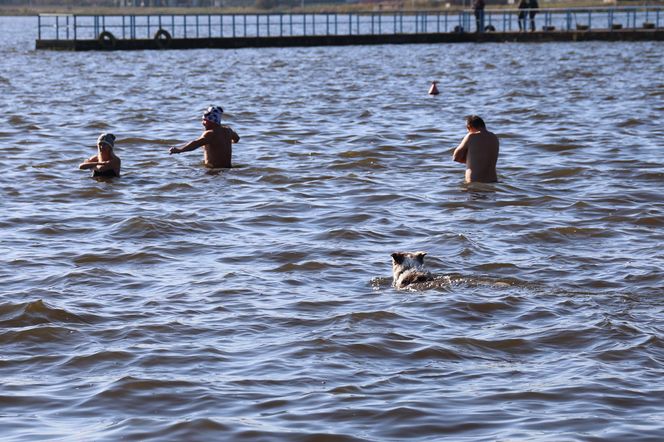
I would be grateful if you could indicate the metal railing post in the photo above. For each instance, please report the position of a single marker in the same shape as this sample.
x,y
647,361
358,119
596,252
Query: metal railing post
x,y
610,21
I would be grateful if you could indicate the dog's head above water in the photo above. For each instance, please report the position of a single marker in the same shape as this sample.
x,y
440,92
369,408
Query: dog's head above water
x,y
408,268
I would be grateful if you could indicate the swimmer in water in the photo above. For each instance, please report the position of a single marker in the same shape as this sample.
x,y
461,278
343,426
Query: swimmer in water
x,y
217,140
105,163
478,151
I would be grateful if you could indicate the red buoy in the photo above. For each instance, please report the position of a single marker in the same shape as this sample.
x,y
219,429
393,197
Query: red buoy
x,y
433,90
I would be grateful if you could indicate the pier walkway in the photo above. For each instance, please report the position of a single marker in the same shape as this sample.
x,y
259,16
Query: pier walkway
x,y
137,32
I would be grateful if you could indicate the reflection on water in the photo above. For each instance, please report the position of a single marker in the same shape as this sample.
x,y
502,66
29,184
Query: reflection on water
x,y
182,303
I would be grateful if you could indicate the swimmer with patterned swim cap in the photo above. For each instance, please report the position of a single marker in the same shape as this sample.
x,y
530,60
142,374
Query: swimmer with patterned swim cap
x,y
105,163
217,140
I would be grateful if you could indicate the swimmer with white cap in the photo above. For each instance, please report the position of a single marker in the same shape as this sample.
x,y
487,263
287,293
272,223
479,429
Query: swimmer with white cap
x,y
217,140
105,163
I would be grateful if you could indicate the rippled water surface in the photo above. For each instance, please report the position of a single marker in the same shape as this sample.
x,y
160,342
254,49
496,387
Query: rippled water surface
x,y
179,303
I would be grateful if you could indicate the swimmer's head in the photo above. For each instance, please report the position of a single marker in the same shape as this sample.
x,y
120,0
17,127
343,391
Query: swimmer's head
x,y
213,114
106,139
475,122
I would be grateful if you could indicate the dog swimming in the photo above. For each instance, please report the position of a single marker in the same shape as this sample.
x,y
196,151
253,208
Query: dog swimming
x,y
408,268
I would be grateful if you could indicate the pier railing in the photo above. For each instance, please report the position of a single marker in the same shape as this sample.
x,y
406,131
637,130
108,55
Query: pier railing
x,y
91,27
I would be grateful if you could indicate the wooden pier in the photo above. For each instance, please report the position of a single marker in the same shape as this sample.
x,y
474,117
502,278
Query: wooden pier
x,y
150,32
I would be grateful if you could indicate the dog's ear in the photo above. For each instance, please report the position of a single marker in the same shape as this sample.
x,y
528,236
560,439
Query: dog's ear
x,y
397,257
419,256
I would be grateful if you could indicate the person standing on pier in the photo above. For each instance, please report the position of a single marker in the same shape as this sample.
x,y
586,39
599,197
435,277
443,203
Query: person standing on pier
x,y
478,10
478,151
217,140
523,5
534,6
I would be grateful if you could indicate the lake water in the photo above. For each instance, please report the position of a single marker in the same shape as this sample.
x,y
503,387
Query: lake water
x,y
255,304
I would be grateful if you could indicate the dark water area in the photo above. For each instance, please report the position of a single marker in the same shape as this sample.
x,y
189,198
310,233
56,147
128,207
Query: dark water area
x,y
255,303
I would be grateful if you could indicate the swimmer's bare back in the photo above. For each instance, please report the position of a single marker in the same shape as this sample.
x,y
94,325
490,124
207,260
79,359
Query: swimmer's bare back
x,y
217,145
479,151
218,149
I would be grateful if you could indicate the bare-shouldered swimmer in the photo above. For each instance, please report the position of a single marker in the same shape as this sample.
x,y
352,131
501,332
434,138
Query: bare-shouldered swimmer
x,y
217,140
478,151
105,164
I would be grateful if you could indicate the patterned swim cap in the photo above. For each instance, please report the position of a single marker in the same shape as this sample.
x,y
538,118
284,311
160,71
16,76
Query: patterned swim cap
x,y
108,139
213,114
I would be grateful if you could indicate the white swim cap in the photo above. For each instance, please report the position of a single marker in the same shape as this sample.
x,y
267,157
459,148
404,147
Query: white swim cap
x,y
108,139
213,114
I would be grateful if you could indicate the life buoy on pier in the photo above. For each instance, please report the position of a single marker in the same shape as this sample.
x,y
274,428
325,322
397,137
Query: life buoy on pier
x,y
163,39
107,40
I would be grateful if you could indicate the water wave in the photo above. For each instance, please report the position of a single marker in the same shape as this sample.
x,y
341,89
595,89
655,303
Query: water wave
x,y
256,303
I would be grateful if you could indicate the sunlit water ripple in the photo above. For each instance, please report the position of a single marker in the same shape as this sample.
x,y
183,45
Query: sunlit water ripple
x,y
177,303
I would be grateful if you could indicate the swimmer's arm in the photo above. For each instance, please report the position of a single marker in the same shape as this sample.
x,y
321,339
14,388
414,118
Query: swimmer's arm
x,y
192,145
234,136
461,151
90,163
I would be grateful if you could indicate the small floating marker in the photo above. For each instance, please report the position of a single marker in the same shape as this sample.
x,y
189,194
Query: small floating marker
x,y
433,90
